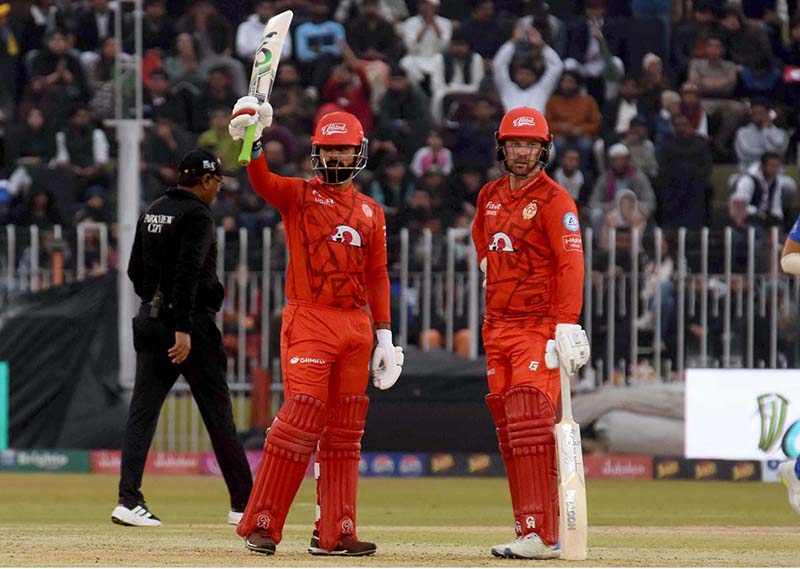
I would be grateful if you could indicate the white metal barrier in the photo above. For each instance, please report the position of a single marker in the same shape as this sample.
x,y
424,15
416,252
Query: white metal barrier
x,y
732,315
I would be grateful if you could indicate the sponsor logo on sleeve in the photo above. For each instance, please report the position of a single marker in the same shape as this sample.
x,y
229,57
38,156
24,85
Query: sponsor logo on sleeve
x,y
366,209
572,243
571,221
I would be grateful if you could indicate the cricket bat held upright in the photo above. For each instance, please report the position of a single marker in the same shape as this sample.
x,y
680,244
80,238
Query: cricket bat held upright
x,y
265,67
572,519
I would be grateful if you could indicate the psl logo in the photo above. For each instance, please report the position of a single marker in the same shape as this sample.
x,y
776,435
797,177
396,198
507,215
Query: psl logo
x,y
501,242
524,121
347,235
334,128
772,409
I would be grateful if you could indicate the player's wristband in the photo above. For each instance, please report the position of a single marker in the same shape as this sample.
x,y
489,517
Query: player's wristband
x,y
256,147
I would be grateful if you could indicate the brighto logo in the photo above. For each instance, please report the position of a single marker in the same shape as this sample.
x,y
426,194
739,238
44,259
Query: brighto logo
x,y
298,360
772,409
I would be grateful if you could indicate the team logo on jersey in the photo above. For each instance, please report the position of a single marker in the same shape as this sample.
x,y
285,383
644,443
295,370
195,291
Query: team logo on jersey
x,y
334,128
347,235
366,209
571,221
524,121
501,242
530,210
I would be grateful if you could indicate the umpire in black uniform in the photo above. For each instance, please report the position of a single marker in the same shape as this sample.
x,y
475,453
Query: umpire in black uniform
x,y
173,269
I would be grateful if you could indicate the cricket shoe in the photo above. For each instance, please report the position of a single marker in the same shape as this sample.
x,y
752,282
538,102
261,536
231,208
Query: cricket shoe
x,y
137,515
234,517
788,474
261,542
347,547
529,546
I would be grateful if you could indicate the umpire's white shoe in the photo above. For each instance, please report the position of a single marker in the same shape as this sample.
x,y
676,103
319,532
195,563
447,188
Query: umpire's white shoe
x,y
529,546
234,517
139,515
788,476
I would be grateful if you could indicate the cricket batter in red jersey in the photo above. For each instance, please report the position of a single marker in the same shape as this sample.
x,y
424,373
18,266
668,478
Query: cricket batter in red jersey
x,y
337,248
528,240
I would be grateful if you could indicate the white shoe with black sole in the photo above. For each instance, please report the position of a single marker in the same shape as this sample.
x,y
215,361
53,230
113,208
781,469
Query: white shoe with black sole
x,y
529,546
234,517
138,516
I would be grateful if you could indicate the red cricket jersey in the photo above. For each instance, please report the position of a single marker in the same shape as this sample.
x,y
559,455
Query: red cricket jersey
x,y
336,240
532,242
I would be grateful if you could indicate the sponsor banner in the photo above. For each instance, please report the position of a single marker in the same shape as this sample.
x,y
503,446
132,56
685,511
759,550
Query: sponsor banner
x,y
209,465
394,464
466,464
742,414
105,461
618,467
173,463
705,469
45,461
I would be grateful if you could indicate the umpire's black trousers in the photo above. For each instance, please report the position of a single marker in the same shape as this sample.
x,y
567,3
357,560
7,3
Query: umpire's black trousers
x,y
204,371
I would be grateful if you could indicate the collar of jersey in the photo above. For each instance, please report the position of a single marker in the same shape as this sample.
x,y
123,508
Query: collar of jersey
x,y
530,186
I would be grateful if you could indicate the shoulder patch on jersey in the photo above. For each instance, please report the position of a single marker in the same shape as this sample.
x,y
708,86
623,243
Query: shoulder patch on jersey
x,y
366,209
530,210
571,221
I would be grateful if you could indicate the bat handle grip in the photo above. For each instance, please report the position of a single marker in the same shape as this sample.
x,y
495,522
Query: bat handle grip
x,y
247,145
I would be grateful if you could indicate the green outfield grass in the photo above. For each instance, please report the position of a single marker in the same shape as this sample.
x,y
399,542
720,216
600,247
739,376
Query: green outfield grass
x,y
63,520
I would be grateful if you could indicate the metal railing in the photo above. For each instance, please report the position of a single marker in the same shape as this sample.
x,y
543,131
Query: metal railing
x,y
719,307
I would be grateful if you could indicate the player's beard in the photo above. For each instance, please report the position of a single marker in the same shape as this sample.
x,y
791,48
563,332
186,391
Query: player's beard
x,y
335,173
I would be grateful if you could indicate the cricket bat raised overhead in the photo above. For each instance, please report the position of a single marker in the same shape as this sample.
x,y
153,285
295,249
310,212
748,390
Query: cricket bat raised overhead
x,y
572,518
265,67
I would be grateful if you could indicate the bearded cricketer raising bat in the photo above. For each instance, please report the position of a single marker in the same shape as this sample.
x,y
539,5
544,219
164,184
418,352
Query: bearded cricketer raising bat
x,y
265,67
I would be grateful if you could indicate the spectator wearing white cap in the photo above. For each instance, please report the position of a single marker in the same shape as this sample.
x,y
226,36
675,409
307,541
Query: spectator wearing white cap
x,y
621,175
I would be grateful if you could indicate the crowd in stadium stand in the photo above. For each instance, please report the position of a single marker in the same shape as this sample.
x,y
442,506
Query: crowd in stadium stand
x,y
644,98
670,113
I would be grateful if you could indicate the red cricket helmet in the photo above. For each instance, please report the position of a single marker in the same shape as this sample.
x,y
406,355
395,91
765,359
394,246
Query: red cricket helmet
x,y
338,129
524,122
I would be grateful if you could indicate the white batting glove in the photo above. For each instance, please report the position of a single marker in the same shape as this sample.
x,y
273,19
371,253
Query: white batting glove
x,y
387,361
572,347
550,355
247,111
483,268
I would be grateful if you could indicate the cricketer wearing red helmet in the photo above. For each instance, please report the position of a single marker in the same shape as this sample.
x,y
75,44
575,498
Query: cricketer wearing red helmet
x,y
528,240
337,249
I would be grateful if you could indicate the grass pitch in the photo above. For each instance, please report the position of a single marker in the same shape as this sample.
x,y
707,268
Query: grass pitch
x,y
64,520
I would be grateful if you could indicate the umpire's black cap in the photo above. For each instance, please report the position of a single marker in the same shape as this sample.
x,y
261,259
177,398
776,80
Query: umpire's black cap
x,y
199,162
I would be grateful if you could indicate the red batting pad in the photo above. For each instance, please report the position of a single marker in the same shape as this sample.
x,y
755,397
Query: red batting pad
x,y
531,433
290,442
497,407
339,455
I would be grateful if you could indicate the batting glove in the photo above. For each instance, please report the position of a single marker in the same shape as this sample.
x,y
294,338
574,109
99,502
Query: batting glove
x,y
247,111
572,347
387,361
550,355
